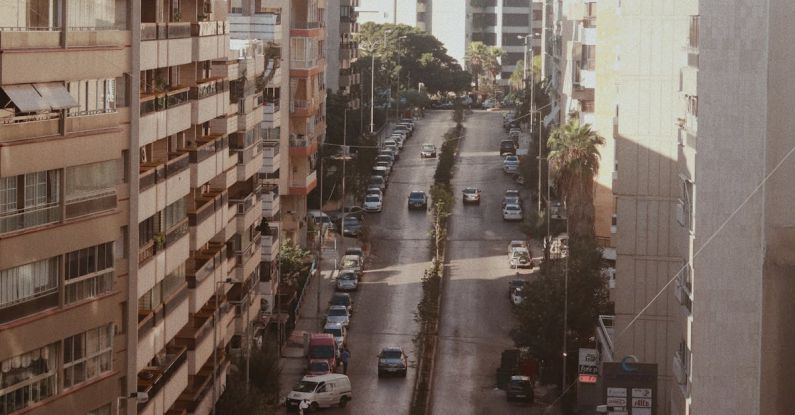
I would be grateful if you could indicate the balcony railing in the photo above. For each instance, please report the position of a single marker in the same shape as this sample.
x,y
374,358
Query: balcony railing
x,y
306,25
159,101
30,217
207,146
206,205
203,262
208,87
693,35
178,30
245,204
152,379
180,162
208,28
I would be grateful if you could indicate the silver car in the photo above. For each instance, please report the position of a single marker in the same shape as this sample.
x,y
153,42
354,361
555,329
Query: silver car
x,y
347,280
338,314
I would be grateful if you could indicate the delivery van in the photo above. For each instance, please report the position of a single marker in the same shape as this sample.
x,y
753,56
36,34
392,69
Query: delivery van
x,y
321,392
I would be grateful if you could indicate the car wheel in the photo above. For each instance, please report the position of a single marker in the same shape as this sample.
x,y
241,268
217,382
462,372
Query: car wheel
x,y
343,401
405,371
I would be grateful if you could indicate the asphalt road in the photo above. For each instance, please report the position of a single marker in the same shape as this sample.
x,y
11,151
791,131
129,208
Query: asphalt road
x,y
476,312
390,290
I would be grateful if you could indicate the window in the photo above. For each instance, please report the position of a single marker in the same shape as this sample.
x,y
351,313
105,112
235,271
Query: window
x,y
28,378
29,200
90,187
89,272
685,213
30,15
87,355
175,213
29,281
93,96
162,290
96,14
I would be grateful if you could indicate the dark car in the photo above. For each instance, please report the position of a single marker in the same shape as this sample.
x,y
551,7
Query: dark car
x,y
507,147
392,360
342,299
520,388
351,226
355,251
418,200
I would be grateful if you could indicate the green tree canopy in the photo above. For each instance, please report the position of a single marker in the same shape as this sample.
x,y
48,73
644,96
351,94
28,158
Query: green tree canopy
x,y
483,62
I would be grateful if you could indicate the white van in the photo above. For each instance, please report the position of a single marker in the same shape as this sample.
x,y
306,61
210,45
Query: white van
x,y
319,218
321,391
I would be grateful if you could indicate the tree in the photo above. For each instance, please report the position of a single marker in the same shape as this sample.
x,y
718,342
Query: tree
x,y
292,260
540,316
574,161
483,62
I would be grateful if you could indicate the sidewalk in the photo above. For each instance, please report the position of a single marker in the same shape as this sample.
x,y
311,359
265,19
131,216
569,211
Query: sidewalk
x,y
293,361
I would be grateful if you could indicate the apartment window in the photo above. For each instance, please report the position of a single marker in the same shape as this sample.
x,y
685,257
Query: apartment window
x,y
90,188
93,96
102,410
89,272
30,15
588,57
692,104
29,281
28,378
87,355
147,229
162,290
175,212
685,212
516,20
96,14
29,200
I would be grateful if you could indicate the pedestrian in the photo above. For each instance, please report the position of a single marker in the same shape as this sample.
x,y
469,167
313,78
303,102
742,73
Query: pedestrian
x,y
303,405
346,357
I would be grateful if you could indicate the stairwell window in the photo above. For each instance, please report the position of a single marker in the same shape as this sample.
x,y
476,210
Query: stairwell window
x,y
87,355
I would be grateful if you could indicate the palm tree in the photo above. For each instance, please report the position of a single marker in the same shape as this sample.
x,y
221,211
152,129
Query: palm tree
x,y
574,162
483,61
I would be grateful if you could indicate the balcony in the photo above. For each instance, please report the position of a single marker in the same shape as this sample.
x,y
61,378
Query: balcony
x,y
207,158
161,184
197,335
249,211
250,113
249,161
248,258
264,26
688,80
270,157
203,268
691,123
302,185
164,114
165,44
224,125
605,332
210,40
163,383
273,73
209,99
587,78
304,108
229,69
589,36
206,217
301,145
158,327
270,245
681,374
271,116
196,397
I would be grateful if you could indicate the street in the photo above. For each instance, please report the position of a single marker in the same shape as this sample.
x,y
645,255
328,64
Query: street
x,y
476,313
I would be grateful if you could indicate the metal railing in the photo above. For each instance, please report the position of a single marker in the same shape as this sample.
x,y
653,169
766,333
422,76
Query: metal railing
x,y
30,217
605,332
208,87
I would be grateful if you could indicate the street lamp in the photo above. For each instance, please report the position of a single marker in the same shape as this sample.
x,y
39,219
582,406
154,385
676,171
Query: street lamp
x,y
397,103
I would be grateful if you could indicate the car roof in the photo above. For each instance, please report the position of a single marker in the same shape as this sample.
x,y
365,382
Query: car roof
x,y
341,295
337,307
334,325
417,191
470,188
520,249
351,256
392,349
325,378
512,205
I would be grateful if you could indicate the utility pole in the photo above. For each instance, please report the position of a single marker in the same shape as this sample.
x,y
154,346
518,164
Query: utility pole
x,y
344,160
319,251
565,308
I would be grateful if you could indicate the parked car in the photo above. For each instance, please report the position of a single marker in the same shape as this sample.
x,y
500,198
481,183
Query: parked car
x,y
338,331
352,262
391,151
507,147
392,360
377,181
347,280
355,250
512,212
510,164
557,210
385,158
321,391
511,200
373,203
512,192
318,367
471,195
351,226
418,199
520,388
390,143
323,346
520,258
338,314
516,244
343,299
386,165
399,140
321,219
373,191
380,171
428,150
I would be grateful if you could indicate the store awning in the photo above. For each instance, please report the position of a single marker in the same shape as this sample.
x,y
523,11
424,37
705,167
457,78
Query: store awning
x,y
26,98
56,95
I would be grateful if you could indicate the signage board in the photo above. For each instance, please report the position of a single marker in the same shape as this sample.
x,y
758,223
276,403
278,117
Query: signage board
x,y
616,401
619,392
588,362
630,385
587,378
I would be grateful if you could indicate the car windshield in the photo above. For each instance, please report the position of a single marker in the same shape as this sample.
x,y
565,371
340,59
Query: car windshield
x,y
417,195
511,207
321,351
470,190
511,159
376,179
427,147
511,193
347,276
338,312
372,199
333,332
391,354
349,263
351,221
305,386
318,366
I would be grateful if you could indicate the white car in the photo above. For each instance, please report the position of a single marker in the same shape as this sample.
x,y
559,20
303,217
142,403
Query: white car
x,y
391,143
399,140
428,150
347,280
323,391
374,191
520,258
471,195
338,331
386,165
338,314
517,296
510,164
516,244
373,202
512,212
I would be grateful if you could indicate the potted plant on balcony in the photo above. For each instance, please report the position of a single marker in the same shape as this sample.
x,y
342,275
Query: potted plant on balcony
x,y
160,240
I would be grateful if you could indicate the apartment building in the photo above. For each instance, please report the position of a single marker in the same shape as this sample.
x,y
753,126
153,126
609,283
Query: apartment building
x,y
307,127
342,49
128,241
65,199
505,23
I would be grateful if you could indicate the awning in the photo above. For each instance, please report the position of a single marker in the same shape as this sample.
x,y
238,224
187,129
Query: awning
x,y
26,98
56,94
